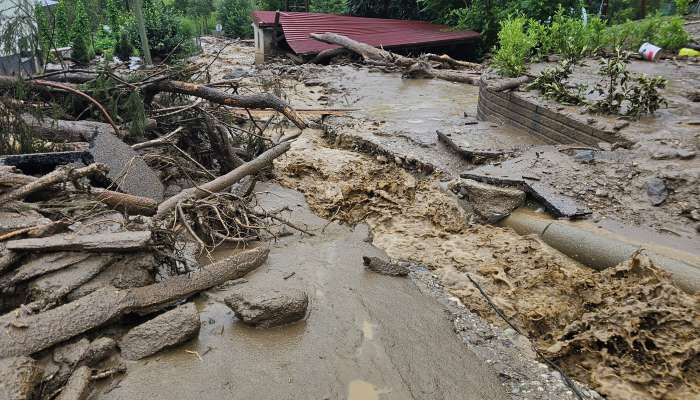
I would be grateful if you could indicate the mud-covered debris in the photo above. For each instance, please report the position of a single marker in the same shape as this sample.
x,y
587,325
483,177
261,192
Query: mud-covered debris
x,y
490,203
78,386
584,156
656,190
165,330
380,266
19,378
120,241
268,307
133,270
18,219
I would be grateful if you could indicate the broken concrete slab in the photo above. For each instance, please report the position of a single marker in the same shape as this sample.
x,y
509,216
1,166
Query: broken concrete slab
x,y
43,163
383,267
120,241
529,172
269,307
78,386
490,203
133,270
20,219
165,330
19,378
126,167
469,144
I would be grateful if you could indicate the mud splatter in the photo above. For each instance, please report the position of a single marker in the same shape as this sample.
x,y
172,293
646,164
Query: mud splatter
x,y
627,331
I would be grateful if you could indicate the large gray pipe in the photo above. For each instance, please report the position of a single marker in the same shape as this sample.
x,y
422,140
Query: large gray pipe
x,y
599,252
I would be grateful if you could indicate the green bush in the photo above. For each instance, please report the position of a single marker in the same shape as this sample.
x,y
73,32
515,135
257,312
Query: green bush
x,y
682,7
123,48
514,47
163,29
329,6
665,32
235,18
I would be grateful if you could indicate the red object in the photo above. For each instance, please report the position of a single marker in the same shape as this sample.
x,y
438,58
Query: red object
x,y
387,33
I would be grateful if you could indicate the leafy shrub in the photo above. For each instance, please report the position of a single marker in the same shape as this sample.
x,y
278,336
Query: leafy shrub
x,y
682,6
665,32
514,47
329,6
235,18
123,48
640,94
163,29
104,40
552,84
81,49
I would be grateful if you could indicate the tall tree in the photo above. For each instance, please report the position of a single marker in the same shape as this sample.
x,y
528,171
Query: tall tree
x,y
141,23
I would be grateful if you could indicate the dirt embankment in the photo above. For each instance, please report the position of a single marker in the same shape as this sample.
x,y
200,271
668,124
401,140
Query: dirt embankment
x,y
626,331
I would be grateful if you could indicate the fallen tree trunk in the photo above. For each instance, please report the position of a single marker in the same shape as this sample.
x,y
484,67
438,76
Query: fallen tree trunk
x,y
507,84
326,55
30,334
225,181
423,69
63,174
364,50
57,130
119,241
264,100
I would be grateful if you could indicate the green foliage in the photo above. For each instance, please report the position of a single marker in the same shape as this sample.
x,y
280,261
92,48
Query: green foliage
x,y
235,18
665,32
123,48
399,9
682,6
640,94
82,51
104,40
329,6
514,47
552,84
136,114
164,29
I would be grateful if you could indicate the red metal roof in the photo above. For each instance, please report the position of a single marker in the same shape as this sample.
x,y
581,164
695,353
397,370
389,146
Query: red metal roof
x,y
297,27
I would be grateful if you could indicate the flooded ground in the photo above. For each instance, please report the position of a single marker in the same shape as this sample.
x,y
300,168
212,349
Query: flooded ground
x,y
627,332
367,336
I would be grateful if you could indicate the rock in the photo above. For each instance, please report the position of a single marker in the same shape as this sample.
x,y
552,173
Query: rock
x,y
619,125
165,330
695,214
656,190
684,154
380,266
267,308
601,193
19,378
78,386
126,167
585,156
490,203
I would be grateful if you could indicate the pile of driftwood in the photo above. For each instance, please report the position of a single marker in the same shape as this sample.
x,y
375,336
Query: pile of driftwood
x,y
79,249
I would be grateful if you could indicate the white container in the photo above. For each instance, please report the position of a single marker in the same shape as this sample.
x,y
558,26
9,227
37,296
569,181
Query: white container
x,y
649,52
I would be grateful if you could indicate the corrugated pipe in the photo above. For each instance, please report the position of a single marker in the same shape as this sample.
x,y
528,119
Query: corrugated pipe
x,y
599,252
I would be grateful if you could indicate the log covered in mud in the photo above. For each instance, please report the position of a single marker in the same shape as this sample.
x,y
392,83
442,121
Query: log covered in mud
x,y
30,334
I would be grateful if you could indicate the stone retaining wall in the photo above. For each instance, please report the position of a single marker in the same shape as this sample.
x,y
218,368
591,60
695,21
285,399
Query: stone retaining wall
x,y
550,126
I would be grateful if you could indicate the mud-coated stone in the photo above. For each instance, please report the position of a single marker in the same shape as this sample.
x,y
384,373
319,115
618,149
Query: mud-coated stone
x,y
656,190
165,330
19,378
78,386
380,266
268,307
490,203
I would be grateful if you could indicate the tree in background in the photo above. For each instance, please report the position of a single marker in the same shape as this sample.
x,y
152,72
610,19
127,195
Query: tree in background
x,y
329,6
400,9
235,17
81,35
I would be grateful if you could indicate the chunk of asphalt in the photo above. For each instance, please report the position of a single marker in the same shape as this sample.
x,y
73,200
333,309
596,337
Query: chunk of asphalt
x,y
126,167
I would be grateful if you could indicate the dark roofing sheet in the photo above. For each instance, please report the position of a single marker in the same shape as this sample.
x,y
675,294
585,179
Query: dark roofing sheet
x,y
374,31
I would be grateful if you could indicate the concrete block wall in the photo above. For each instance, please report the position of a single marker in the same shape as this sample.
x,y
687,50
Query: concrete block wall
x,y
549,125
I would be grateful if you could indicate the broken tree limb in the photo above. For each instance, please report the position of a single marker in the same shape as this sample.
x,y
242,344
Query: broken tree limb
x,y
225,181
163,140
507,84
60,175
30,334
327,55
445,59
364,50
119,241
423,70
264,100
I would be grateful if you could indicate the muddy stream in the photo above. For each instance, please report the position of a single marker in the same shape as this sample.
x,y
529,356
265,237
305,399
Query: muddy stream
x,y
369,336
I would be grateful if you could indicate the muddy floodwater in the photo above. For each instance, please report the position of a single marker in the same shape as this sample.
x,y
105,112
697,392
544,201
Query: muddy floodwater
x,y
367,336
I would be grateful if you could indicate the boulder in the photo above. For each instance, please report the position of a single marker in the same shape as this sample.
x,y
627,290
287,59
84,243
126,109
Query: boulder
x,y
19,378
166,330
490,203
268,307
